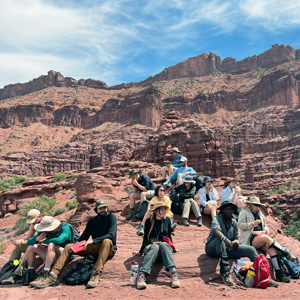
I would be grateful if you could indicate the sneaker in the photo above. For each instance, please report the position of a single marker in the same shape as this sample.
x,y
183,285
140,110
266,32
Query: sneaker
x,y
175,281
227,280
281,277
184,222
141,282
199,224
94,279
130,215
9,280
141,229
272,283
46,279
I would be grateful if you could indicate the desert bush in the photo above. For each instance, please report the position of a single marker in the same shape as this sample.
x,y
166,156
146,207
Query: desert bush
x,y
61,176
2,244
59,211
74,194
71,204
10,182
20,226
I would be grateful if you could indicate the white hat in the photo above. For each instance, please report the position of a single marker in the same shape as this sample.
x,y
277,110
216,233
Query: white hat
x,y
47,224
183,158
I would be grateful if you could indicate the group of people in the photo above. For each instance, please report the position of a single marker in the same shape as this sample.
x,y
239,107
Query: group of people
x,y
233,232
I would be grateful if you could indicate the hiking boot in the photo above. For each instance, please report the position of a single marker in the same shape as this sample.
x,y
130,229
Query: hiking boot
x,y
175,281
199,224
272,283
184,222
281,277
94,279
141,229
130,215
141,281
9,280
291,257
227,280
47,278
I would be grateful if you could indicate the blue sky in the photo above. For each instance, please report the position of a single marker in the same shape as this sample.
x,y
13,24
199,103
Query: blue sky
x,y
124,40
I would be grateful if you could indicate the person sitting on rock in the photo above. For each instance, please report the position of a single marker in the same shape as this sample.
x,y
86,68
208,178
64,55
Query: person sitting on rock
x,y
252,220
48,243
181,172
159,196
208,197
103,230
156,243
33,217
186,193
142,188
168,170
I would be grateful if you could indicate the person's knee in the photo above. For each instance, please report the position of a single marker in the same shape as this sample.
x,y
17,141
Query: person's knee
x,y
107,242
51,247
163,246
30,249
154,248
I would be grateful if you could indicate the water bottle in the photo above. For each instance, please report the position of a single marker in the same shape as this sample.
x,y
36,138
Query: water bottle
x,y
249,281
134,272
26,277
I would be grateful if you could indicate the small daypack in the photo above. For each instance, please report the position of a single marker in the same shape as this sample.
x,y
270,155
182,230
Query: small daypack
x,y
81,272
262,272
199,182
177,204
142,209
7,270
75,233
292,269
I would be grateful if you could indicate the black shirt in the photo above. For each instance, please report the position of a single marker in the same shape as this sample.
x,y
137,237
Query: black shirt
x,y
146,182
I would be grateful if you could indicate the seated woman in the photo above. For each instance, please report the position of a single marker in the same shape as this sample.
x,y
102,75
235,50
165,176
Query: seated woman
x,y
252,220
208,197
157,228
159,196
229,193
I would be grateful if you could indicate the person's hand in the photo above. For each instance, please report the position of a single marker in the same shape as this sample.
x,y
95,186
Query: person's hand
x,y
86,245
228,244
165,183
134,182
267,232
17,242
236,243
187,173
255,223
41,237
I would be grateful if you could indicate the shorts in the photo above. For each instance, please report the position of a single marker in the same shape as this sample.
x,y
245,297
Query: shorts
x,y
151,193
251,239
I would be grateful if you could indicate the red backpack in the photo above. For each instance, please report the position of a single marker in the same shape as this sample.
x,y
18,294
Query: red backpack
x,y
262,272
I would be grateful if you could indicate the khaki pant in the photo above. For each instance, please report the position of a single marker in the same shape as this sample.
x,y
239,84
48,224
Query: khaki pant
x,y
103,250
188,203
16,255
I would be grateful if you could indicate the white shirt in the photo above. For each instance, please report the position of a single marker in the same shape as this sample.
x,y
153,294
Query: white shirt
x,y
213,195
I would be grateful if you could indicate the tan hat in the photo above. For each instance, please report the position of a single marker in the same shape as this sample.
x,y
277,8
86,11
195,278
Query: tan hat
x,y
159,204
32,215
228,180
254,200
175,149
183,158
47,224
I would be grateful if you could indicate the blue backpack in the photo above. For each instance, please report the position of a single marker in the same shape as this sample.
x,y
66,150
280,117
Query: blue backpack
x,y
292,269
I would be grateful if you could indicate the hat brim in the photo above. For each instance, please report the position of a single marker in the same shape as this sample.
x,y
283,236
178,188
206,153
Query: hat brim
x,y
191,181
103,205
174,151
41,228
228,204
212,181
155,208
260,204
31,221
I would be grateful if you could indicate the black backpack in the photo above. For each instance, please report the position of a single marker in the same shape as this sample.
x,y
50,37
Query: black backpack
x,y
7,270
199,182
142,209
177,204
81,272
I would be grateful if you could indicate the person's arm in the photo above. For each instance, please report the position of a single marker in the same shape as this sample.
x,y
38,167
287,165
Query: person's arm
x,y
176,162
86,233
31,232
214,195
235,231
64,236
202,197
189,193
136,184
111,232
32,241
219,235
191,171
243,221
172,177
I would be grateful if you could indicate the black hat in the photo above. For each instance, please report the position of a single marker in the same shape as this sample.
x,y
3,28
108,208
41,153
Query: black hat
x,y
226,203
100,203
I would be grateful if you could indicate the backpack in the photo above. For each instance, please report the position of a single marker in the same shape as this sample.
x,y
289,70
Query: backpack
x,y
75,233
177,205
81,272
199,182
262,272
142,209
292,269
7,270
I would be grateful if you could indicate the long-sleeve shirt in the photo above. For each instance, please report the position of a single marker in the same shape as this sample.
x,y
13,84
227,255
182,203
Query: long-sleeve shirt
x,y
180,171
146,182
176,161
212,195
101,228
160,228
227,194
62,237
184,192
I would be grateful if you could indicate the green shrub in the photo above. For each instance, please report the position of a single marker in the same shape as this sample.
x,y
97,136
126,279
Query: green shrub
x,y
20,226
2,244
71,204
74,194
69,216
59,211
8,215
73,176
278,212
43,203
61,176
10,182
8,230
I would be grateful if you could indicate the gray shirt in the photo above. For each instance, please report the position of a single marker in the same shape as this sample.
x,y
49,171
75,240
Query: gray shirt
x,y
230,230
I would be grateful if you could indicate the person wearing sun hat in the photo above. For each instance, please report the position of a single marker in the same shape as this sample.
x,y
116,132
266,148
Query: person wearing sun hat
x,y
223,242
33,217
48,244
254,231
168,170
142,188
157,242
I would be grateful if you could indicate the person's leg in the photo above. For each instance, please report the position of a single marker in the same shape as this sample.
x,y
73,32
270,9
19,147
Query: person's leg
x,y
164,172
166,253
150,255
243,251
52,253
179,179
186,212
213,210
283,251
32,251
17,252
207,210
172,169
132,198
145,195
260,241
196,212
142,225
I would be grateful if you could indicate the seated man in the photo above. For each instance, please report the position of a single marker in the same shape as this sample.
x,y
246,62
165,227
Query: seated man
x,y
48,243
223,242
176,156
181,172
33,217
186,192
142,188
103,229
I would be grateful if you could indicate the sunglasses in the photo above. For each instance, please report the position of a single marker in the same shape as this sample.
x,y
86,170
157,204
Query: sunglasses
x,y
161,190
256,205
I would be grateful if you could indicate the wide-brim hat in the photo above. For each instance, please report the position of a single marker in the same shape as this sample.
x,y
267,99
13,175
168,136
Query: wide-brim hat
x,y
159,204
207,178
254,200
230,179
189,179
133,172
227,203
32,215
183,159
47,224
175,149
